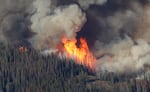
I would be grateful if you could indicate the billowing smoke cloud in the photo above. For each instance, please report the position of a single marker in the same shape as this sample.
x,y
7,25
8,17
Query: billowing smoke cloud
x,y
124,56
119,29
50,28
14,21
125,53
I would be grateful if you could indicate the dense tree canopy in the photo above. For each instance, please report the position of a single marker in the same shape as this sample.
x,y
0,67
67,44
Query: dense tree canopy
x,y
32,72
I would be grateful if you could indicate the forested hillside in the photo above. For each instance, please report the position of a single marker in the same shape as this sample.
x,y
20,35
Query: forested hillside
x,y
30,71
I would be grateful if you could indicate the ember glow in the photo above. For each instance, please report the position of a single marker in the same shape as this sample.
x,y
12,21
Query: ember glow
x,y
22,49
80,53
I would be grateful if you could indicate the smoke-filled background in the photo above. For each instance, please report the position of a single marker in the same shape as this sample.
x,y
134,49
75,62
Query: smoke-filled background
x,y
117,31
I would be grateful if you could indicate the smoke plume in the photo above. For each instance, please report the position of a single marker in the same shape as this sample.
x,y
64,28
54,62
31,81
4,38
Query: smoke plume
x,y
124,56
50,28
127,47
13,20
117,31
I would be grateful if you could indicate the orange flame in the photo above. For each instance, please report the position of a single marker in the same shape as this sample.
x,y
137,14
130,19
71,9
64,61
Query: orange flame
x,y
22,49
81,54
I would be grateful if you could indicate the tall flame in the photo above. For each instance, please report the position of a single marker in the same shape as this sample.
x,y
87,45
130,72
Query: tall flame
x,y
80,53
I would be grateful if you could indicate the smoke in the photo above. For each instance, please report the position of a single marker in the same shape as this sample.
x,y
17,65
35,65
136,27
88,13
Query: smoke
x,y
13,20
120,44
124,56
85,4
117,31
128,48
50,28
144,29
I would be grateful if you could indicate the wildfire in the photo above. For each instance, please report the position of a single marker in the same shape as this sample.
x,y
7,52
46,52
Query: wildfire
x,y
80,53
22,49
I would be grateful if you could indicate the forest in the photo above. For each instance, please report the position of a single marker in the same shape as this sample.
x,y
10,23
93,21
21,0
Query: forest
x,y
31,71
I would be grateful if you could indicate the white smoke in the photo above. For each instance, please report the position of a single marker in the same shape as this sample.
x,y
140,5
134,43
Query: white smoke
x,y
129,54
124,56
51,23
50,28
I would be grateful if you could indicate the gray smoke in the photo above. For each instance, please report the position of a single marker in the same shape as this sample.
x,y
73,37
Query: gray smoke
x,y
144,28
85,4
117,30
128,48
14,20
50,29
124,56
